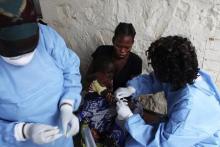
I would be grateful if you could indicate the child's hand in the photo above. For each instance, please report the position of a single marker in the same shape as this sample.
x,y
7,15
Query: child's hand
x,y
110,98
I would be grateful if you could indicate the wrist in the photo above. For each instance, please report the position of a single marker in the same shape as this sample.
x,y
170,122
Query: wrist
x,y
131,89
66,105
131,114
21,131
128,116
18,132
26,130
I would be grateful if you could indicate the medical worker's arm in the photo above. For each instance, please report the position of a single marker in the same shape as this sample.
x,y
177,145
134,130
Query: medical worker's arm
x,y
174,133
140,85
69,63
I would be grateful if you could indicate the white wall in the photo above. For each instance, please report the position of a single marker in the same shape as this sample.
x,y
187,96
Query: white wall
x,y
85,24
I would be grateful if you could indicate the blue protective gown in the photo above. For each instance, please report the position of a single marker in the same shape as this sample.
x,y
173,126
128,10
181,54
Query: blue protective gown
x,y
194,115
32,93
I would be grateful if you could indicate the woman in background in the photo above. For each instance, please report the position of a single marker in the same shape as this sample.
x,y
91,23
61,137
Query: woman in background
x,y
127,64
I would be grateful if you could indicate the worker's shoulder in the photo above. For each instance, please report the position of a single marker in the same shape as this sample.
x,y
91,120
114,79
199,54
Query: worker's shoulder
x,y
46,28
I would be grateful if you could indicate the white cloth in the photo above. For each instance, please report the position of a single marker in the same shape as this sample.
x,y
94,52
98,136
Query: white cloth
x,y
20,60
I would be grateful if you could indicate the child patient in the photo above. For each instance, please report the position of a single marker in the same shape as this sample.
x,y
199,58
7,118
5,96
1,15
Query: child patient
x,y
98,110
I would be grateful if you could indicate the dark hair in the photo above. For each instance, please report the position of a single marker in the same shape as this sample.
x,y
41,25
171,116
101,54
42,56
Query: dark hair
x,y
101,63
124,29
174,61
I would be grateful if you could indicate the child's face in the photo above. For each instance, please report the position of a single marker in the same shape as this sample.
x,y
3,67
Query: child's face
x,y
109,72
106,76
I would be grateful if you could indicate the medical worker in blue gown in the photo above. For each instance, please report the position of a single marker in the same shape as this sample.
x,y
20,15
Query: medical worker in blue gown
x,y
193,99
39,81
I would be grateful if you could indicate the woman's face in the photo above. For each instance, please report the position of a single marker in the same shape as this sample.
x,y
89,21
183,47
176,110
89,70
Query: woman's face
x,y
123,45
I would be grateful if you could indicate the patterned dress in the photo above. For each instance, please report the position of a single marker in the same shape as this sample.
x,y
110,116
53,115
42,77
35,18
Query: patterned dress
x,y
99,114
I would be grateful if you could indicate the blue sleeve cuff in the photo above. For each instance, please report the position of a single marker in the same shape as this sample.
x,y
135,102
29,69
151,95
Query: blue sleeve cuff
x,y
138,129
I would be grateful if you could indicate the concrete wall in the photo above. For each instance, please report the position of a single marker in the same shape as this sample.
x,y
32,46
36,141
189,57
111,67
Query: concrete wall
x,y
85,24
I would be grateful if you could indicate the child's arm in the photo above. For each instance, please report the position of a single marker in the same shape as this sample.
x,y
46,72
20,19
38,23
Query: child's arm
x,y
96,87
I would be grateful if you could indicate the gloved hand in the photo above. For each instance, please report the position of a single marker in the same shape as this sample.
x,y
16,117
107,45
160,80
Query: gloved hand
x,y
124,112
70,122
124,92
38,133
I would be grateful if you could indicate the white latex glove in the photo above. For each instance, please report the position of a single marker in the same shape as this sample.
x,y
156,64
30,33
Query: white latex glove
x,y
124,92
38,133
124,112
70,122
